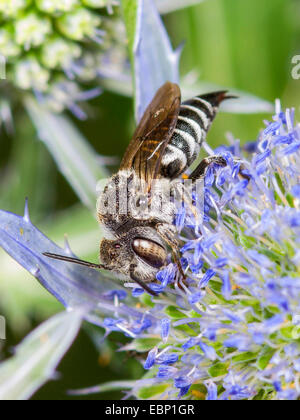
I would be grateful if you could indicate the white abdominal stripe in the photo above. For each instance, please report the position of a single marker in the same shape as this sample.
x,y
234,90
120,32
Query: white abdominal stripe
x,y
194,127
172,154
197,115
194,120
205,105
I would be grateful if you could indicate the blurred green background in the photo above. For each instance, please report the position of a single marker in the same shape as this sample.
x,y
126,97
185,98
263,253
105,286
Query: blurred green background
x,y
243,44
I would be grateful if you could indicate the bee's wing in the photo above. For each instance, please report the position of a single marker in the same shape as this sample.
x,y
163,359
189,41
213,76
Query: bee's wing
x,y
153,134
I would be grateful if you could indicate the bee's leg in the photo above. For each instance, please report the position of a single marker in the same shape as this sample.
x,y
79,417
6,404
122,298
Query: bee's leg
x,y
168,235
202,168
140,282
204,165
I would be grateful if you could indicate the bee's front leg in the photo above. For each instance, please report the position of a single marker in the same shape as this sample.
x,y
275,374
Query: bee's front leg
x,y
202,168
168,234
140,282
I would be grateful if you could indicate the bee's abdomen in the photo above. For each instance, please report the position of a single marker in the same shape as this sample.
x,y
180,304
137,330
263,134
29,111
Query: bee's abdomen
x,y
194,121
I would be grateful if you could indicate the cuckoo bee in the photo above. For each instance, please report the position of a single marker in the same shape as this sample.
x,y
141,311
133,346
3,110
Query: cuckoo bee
x,y
165,144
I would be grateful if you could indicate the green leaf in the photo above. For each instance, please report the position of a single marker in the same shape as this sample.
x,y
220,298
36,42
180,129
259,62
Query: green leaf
x,y
130,12
174,313
188,330
198,391
37,357
151,391
265,357
219,369
290,199
144,344
146,300
288,332
73,155
244,357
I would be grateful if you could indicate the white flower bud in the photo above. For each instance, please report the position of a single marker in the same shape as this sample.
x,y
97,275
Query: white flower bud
x,y
79,24
101,3
29,74
8,48
11,8
59,53
56,6
95,3
32,30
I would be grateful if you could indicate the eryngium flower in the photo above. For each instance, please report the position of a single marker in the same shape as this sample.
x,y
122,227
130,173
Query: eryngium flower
x,y
232,331
47,42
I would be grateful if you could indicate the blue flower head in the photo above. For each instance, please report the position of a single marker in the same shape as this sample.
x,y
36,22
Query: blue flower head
x,y
233,326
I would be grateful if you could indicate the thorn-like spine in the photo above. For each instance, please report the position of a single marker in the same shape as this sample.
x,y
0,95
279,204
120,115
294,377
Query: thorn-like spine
x,y
67,246
179,50
26,212
35,271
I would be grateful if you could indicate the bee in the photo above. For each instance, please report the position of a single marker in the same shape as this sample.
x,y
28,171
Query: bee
x,y
165,144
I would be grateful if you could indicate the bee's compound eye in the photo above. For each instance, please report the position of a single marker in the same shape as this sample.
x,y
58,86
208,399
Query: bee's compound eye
x,y
152,253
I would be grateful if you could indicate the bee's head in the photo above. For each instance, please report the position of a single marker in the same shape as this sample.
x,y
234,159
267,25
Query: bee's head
x,y
112,252
145,254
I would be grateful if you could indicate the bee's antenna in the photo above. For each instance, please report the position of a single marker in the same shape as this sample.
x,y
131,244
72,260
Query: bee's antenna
x,y
73,260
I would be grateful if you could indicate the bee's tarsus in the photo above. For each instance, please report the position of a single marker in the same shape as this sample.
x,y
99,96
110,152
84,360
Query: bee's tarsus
x,y
140,282
202,168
